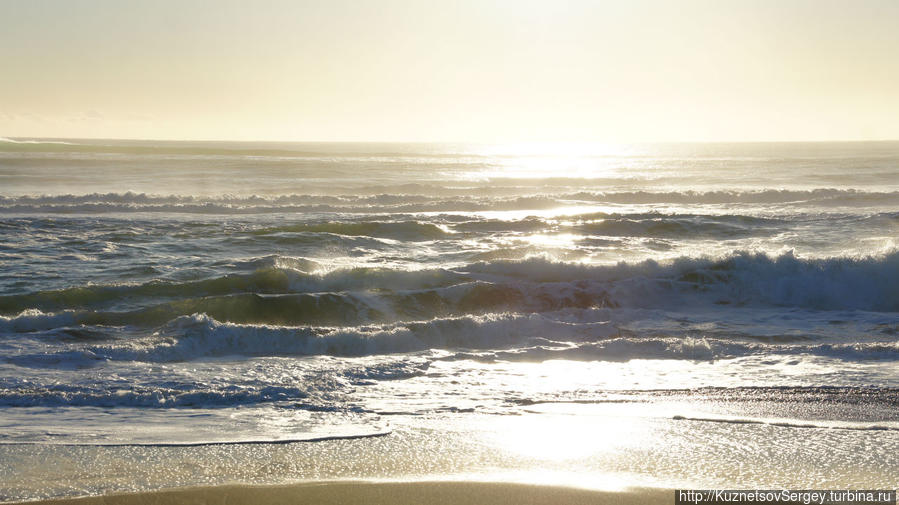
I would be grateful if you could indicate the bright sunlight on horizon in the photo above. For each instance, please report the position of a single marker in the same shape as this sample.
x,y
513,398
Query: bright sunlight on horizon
x,y
482,71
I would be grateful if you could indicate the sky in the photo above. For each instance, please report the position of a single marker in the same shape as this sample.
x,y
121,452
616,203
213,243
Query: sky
x,y
444,70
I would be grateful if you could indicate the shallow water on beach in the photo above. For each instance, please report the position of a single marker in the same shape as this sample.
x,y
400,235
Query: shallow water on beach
x,y
649,314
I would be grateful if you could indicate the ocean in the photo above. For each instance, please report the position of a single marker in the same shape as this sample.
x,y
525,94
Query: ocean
x,y
192,313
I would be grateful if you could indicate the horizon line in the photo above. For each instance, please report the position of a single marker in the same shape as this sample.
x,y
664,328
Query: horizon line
x,y
475,142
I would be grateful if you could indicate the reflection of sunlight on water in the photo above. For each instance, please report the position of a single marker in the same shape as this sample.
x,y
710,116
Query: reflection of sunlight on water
x,y
566,376
558,149
547,168
554,160
555,240
564,211
568,431
565,437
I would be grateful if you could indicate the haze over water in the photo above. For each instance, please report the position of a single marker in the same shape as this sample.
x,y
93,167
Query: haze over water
x,y
640,297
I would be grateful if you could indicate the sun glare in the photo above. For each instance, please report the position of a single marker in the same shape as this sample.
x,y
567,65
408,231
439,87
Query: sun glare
x,y
552,434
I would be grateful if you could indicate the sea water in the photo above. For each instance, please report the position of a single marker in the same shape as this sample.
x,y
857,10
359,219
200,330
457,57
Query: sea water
x,y
632,308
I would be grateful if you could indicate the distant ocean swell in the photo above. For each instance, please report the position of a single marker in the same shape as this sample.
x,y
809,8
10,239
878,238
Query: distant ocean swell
x,y
456,227
423,199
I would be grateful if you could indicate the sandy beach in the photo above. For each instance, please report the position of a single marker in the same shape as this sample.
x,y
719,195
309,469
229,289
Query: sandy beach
x,y
371,493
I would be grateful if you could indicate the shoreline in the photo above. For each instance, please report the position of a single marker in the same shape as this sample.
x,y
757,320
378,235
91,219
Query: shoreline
x,y
374,493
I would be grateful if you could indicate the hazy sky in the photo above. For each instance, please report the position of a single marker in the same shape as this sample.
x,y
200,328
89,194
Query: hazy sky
x,y
479,70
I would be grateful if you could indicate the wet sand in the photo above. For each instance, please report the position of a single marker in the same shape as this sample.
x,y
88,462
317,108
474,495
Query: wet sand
x,y
375,493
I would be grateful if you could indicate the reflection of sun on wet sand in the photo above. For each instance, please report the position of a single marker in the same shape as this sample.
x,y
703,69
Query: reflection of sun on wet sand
x,y
371,493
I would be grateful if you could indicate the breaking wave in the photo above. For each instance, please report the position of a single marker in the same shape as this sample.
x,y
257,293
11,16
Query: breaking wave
x,y
486,338
415,199
282,295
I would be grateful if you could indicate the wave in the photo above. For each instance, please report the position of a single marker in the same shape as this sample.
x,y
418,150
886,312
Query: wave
x,y
278,261
29,142
398,230
278,295
326,308
33,320
675,226
819,196
273,275
417,199
144,396
325,394
739,279
191,337
530,224
486,338
264,280
684,348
